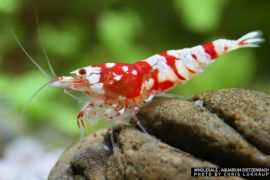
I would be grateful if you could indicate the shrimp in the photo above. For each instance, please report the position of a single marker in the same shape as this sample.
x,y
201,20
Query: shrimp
x,y
119,89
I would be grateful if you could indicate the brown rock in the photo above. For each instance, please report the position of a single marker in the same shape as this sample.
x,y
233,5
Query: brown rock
x,y
246,111
196,130
141,156
135,156
211,135
86,159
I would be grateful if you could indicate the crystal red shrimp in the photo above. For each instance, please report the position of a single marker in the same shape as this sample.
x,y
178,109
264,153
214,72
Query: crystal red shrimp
x,y
117,88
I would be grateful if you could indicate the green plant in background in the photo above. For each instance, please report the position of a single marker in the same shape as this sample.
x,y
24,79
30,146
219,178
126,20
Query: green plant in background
x,y
201,16
82,33
8,6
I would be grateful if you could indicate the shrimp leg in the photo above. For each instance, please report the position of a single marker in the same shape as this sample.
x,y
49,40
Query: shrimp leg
x,y
136,119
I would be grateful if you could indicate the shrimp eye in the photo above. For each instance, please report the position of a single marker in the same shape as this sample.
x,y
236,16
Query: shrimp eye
x,y
82,71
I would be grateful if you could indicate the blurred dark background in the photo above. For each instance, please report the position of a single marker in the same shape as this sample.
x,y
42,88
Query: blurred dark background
x,y
83,32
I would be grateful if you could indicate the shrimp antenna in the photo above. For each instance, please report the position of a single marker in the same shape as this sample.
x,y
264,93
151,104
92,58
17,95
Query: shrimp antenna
x,y
27,54
73,96
42,46
29,101
47,57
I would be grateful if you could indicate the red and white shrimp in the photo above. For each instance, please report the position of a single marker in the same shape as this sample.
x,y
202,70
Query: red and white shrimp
x,y
118,87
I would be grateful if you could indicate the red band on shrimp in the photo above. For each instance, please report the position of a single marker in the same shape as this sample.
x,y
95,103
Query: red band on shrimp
x,y
209,48
143,66
166,85
171,62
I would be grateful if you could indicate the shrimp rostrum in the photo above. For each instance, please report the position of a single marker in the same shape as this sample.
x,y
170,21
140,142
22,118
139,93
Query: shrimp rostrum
x,y
117,88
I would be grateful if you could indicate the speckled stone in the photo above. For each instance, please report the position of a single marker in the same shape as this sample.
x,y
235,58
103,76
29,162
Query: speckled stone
x,y
246,111
201,133
86,159
135,155
141,156
226,128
